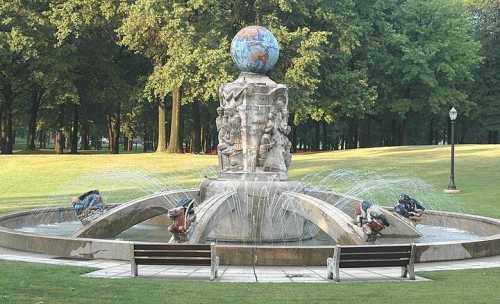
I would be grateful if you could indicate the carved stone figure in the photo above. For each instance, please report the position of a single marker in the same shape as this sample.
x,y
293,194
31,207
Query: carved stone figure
x,y
266,143
182,216
88,206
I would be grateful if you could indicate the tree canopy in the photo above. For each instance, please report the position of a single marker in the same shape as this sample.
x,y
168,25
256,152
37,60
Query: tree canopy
x,y
77,74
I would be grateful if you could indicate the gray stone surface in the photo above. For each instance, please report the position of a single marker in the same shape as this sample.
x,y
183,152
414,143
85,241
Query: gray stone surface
x,y
255,213
209,214
129,214
399,226
328,218
252,126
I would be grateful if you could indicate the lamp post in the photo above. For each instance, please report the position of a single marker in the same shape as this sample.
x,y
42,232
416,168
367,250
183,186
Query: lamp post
x,y
451,185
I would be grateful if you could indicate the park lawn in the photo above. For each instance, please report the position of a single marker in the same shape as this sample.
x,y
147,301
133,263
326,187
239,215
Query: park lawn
x,y
32,180
40,283
29,181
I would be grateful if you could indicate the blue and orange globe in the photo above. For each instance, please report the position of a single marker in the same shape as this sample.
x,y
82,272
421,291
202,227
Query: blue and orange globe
x,y
255,49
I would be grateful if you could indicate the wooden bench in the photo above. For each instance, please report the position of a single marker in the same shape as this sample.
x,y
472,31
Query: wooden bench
x,y
174,254
372,256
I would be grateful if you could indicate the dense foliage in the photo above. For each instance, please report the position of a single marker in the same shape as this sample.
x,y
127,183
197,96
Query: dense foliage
x,y
75,74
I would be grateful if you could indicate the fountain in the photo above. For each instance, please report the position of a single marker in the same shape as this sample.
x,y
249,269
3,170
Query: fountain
x,y
252,200
250,206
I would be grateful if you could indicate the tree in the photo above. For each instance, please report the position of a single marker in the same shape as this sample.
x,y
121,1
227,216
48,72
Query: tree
x,y
423,61
486,90
22,39
189,58
105,73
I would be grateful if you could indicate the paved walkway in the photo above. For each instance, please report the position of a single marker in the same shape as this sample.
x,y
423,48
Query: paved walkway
x,y
275,274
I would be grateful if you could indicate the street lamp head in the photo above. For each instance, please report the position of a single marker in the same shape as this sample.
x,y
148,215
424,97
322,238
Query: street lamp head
x,y
453,113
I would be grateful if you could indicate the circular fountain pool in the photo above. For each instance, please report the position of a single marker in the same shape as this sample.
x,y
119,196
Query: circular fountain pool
x,y
446,236
150,232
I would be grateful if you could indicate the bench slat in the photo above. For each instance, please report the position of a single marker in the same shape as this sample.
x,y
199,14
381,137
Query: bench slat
x,y
374,255
170,253
362,249
373,263
173,261
170,247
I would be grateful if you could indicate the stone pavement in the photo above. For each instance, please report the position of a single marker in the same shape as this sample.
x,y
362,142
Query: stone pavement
x,y
275,274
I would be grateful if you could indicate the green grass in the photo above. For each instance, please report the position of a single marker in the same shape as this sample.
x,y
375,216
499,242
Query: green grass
x,y
38,283
30,181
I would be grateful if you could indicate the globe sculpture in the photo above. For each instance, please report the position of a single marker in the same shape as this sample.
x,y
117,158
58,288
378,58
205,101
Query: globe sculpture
x,y
255,49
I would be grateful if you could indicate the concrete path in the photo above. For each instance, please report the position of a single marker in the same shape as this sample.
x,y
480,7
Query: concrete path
x,y
274,274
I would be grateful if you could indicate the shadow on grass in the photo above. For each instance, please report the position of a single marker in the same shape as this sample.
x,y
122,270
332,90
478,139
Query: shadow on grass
x,y
67,152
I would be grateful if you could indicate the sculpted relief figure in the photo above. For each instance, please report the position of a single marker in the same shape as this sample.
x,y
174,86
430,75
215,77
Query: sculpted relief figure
x,y
230,95
223,137
236,153
266,141
229,127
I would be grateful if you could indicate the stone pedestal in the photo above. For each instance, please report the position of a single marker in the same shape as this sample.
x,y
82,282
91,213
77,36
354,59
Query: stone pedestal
x,y
253,125
254,156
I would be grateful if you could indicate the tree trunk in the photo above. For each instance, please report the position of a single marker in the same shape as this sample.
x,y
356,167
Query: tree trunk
x,y
403,132
430,138
174,144
74,131
293,135
145,139
42,139
365,134
492,137
36,97
97,140
6,135
317,136
324,131
1,125
85,135
59,136
203,139
196,131
110,130
125,143
115,124
162,136
353,134
130,144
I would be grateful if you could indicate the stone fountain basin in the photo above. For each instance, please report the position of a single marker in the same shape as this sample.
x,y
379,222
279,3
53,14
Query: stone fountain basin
x,y
486,244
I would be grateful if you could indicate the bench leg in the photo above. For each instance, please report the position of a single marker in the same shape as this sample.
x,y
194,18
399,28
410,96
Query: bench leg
x,y
133,270
404,272
337,273
216,267
411,271
332,270
411,265
214,261
329,268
